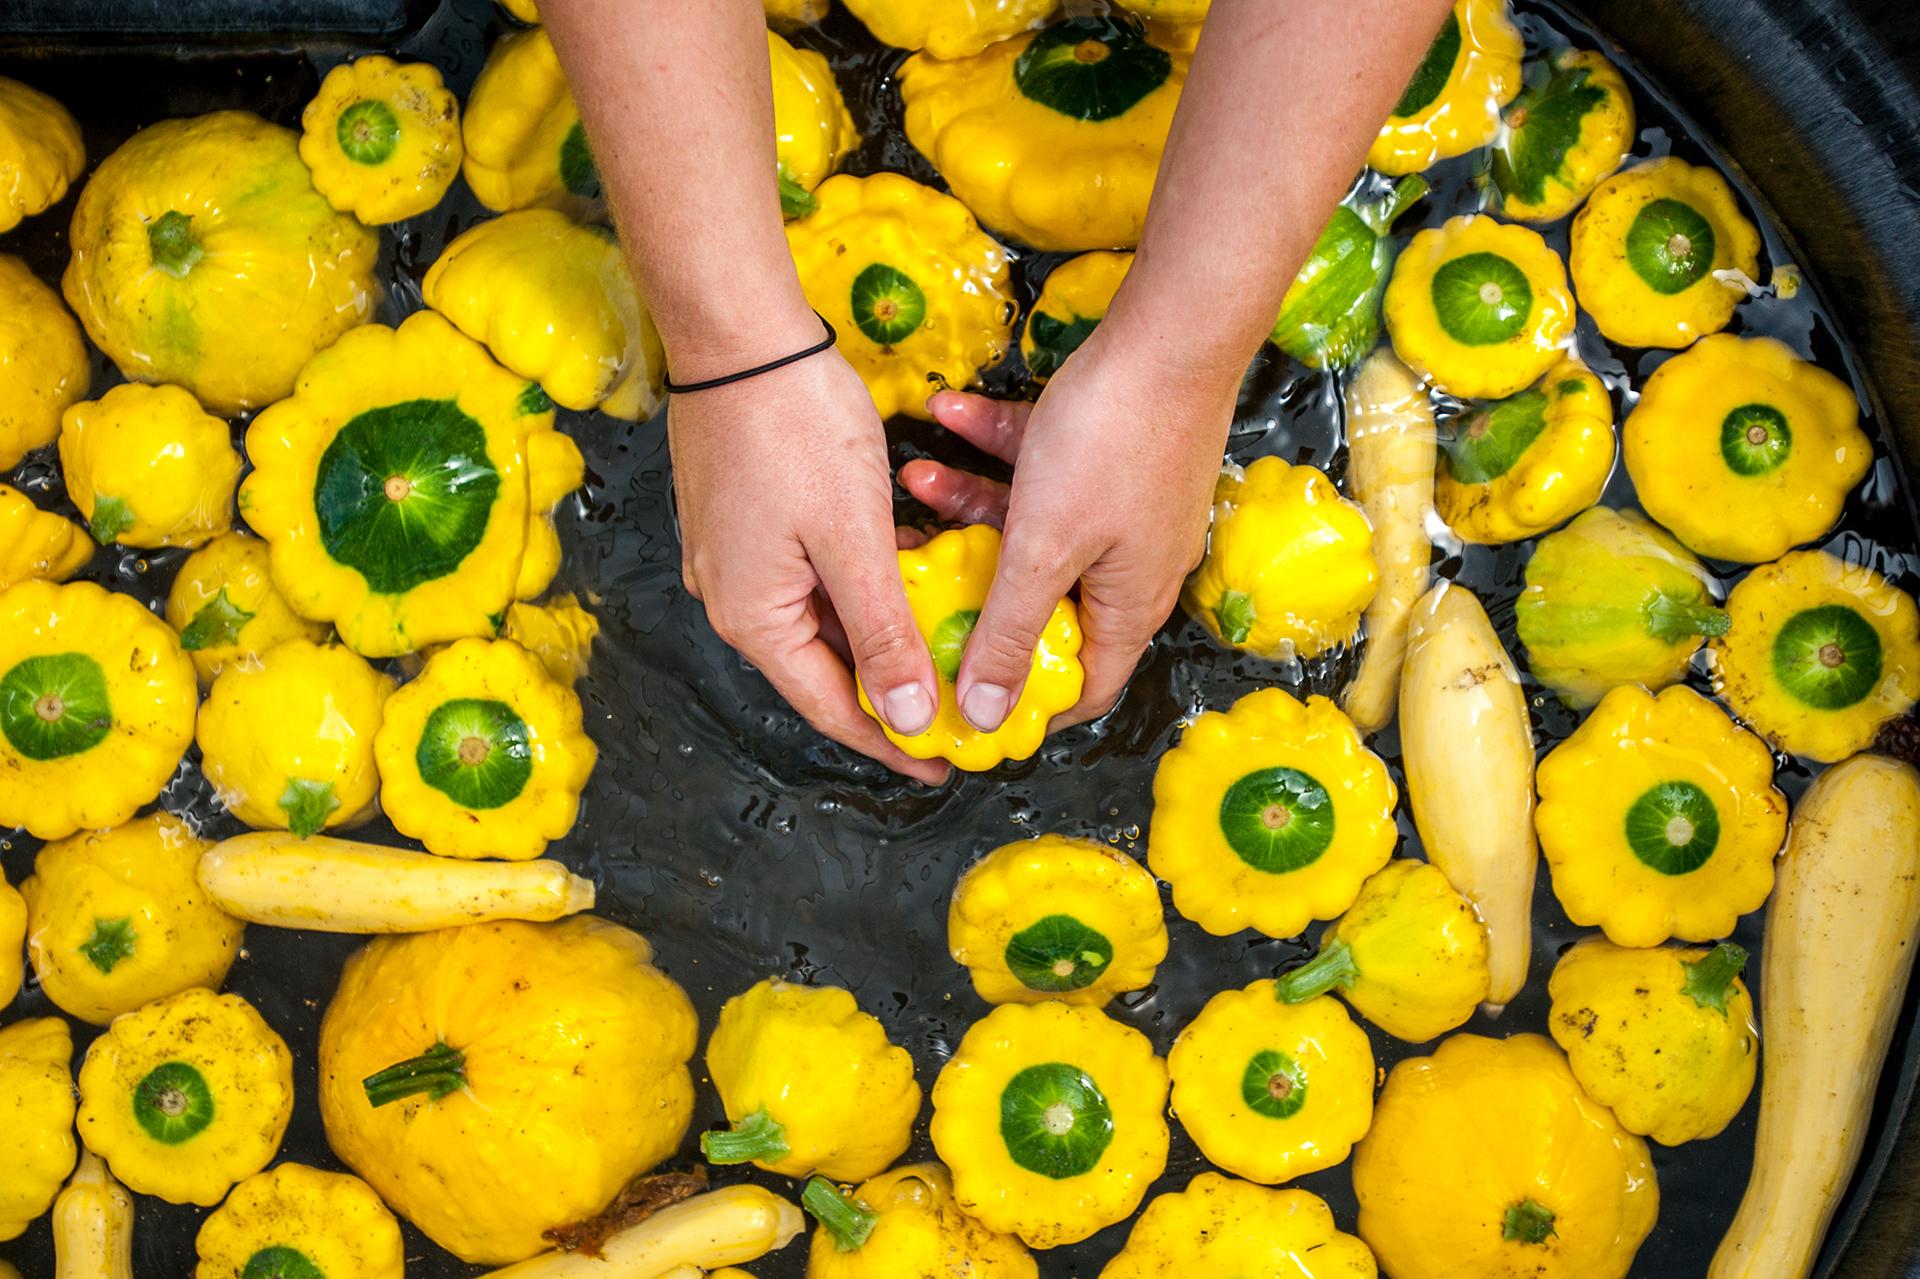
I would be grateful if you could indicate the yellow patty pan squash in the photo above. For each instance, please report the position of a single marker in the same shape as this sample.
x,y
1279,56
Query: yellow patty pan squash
x,y
917,292
300,1222
1271,1091
497,1080
36,543
559,632
1330,316
1219,1226
1057,918
554,301
43,361
1743,449
1564,134
906,1223
1488,1160
186,1096
226,608
382,138
1452,104
1820,654
1072,302
810,1084
1053,1119
36,1146
951,29
96,707
116,919
1649,248
1410,955
1169,11
148,467
407,487
483,754
1611,599
947,581
525,145
813,133
13,936
1289,566
1053,138
1659,818
202,256
1269,814
40,152
1664,1037
789,14
1479,307
287,740
1517,467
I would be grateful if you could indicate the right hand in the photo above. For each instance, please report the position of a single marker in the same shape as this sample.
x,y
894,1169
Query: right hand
x,y
786,529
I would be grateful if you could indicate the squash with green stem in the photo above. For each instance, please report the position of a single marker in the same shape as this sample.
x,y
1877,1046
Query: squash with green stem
x,y
1564,134
813,133
905,1222
1330,316
382,138
1513,469
148,467
525,145
226,608
1071,305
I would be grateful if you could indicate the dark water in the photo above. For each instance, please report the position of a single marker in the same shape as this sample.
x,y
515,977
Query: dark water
x,y
741,843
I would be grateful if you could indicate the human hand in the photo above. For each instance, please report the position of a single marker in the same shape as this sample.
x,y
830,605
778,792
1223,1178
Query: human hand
x,y
1114,468
787,536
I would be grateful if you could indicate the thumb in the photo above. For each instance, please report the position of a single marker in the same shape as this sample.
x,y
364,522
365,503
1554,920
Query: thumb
x,y
861,579
1036,570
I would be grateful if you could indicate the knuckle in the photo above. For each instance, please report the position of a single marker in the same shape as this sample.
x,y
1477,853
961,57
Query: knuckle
x,y
1000,654
884,644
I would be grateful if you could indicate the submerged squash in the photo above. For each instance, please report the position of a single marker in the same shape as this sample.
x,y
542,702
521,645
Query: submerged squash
x,y
1563,135
286,741
950,29
147,467
1661,254
296,1222
1518,467
1452,104
96,707
203,256
117,919
382,138
905,1222
1072,302
918,293
40,152
498,1080
1480,307
1055,137
36,543
813,133
36,1091
1743,449
407,487
1219,1226
559,632
226,608
1330,317
483,754
1820,653
554,302
525,145
43,361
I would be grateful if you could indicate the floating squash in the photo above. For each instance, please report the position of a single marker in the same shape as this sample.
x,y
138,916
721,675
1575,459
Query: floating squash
x,y
382,138
813,133
36,1088
148,467
43,360
1072,302
36,543
1564,134
525,145
559,632
298,1222
1452,104
904,1222
950,29
226,608
40,152
1330,316
1219,1226
1515,468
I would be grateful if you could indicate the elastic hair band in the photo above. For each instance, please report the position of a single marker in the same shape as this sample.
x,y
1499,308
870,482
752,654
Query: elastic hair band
x,y
686,388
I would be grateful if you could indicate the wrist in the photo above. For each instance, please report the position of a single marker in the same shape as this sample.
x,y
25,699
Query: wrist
x,y
704,345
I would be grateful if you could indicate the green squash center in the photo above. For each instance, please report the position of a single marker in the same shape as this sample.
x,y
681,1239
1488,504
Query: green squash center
x,y
111,941
1430,79
1673,828
1828,658
173,1103
477,752
216,624
1670,246
887,305
404,493
1277,820
578,172
368,131
1274,1085
949,641
1054,339
1055,1121
1091,68
172,243
1495,437
1528,1221
1543,128
1755,440
55,705
1058,953
281,1262
1481,299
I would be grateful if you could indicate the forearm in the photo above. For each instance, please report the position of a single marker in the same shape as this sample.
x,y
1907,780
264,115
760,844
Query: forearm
x,y
678,103
1279,109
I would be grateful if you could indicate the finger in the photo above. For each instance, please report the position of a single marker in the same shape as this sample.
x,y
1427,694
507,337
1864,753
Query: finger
x,y
907,539
1115,627
860,574
954,495
1037,567
995,427
816,683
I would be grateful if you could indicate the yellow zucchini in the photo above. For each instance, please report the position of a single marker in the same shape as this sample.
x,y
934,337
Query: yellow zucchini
x,y
93,1225
345,886
1840,940
1468,750
718,1228
1390,460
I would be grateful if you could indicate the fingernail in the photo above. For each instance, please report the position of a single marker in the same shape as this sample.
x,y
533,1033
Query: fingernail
x,y
985,706
909,709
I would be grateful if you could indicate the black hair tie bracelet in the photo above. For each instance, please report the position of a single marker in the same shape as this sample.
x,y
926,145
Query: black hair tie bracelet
x,y
684,388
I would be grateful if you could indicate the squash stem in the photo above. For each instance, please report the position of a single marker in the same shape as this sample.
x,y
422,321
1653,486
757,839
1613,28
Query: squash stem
x,y
1405,194
795,200
758,1136
1671,619
838,1214
171,241
440,1070
1234,615
1710,977
1528,1222
1332,968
